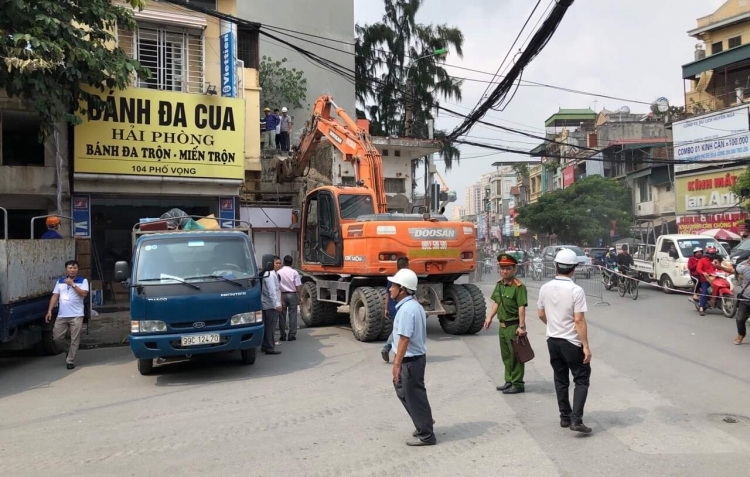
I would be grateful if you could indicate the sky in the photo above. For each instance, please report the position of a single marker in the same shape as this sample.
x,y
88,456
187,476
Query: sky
x,y
630,49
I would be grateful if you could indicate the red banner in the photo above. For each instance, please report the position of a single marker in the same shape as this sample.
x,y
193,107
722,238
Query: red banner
x,y
694,224
569,176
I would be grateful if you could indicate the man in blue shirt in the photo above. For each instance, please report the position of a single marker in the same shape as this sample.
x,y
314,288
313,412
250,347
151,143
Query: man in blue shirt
x,y
269,134
53,225
410,332
390,310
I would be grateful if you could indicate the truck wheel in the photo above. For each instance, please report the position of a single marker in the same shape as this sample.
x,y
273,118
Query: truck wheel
x,y
479,307
49,346
366,314
145,366
248,355
387,323
459,322
666,284
313,312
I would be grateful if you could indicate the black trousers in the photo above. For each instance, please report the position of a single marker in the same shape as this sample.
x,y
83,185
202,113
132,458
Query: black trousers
x,y
567,358
413,395
743,312
270,318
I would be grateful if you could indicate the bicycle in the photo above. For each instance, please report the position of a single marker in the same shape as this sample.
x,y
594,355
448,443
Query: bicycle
x,y
628,284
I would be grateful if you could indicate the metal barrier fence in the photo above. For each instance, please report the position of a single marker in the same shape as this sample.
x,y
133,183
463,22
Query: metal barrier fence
x,y
534,275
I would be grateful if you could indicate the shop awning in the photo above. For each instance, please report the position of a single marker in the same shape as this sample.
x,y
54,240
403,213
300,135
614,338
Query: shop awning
x,y
719,60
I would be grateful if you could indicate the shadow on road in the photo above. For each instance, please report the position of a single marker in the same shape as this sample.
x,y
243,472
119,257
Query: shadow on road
x,y
464,430
617,419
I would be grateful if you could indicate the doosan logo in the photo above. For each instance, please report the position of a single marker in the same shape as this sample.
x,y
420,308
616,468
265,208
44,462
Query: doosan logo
x,y
432,233
336,137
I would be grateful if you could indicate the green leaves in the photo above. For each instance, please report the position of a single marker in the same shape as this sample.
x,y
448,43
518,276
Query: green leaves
x,y
281,86
50,50
580,213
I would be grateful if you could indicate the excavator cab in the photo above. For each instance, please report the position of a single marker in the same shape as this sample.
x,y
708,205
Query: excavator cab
x,y
324,211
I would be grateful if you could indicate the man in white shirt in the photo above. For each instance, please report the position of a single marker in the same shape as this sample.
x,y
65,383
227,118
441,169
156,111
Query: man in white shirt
x,y
271,304
69,293
291,290
561,307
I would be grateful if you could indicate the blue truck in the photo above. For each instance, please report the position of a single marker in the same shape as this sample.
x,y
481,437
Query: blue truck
x,y
193,292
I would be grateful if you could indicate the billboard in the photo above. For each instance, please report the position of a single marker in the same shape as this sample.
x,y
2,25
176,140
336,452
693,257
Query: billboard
x,y
716,136
710,191
569,176
695,224
228,65
162,133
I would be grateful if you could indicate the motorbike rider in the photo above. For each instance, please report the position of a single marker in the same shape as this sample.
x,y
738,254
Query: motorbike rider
x,y
707,268
693,269
624,261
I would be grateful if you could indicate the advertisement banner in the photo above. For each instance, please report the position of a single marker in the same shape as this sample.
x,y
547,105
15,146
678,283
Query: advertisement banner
x,y
700,193
716,136
695,224
162,133
81,215
226,212
569,176
228,65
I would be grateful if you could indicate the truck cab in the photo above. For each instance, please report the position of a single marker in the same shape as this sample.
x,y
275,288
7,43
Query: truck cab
x,y
193,292
666,261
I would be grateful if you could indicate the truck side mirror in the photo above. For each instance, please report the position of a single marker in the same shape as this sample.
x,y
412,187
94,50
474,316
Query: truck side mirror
x,y
122,272
267,262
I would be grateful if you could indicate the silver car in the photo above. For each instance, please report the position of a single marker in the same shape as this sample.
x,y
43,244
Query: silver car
x,y
548,257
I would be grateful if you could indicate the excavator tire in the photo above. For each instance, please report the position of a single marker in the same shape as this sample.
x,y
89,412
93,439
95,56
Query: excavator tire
x,y
366,314
387,322
313,312
480,308
460,322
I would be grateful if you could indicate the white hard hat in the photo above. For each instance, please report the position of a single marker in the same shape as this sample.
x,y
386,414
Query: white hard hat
x,y
697,249
283,110
406,278
566,257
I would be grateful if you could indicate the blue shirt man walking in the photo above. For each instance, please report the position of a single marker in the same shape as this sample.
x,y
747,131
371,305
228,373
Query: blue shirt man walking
x,y
409,334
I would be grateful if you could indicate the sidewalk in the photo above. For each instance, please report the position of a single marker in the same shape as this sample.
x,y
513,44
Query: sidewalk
x,y
107,329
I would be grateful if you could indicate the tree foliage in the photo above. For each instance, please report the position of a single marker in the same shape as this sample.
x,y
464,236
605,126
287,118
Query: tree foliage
x,y
742,188
388,78
580,213
282,86
51,50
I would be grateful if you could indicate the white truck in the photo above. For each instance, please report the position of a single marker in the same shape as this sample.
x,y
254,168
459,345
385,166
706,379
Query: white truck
x,y
666,261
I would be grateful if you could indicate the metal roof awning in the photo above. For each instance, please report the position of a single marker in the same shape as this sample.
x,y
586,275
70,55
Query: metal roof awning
x,y
539,150
658,174
719,60
635,146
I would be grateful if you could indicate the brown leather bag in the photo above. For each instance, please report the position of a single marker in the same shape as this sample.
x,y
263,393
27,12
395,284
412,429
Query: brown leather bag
x,y
522,349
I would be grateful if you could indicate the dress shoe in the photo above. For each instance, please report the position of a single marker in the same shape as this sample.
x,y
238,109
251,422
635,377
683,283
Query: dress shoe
x,y
292,338
738,340
273,351
417,443
416,432
565,423
580,427
504,387
283,338
386,355
514,390
70,366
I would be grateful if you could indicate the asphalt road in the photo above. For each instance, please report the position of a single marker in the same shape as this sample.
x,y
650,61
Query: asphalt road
x,y
664,381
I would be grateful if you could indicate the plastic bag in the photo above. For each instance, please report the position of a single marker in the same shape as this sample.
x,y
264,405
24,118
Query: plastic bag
x,y
175,218
192,225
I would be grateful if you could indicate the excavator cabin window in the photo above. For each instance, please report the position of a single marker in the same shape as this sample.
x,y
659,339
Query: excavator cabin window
x,y
353,206
322,236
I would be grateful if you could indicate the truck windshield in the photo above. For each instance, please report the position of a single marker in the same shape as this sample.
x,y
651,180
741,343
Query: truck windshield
x,y
687,246
194,259
352,206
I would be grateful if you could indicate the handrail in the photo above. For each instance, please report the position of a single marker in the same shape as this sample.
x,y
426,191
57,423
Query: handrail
x,y
5,222
44,217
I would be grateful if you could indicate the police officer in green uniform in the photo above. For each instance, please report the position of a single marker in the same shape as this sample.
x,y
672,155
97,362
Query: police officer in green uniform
x,y
509,304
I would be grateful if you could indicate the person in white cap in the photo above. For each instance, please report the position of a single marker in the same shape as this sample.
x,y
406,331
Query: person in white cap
x,y
561,306
285,128
409,333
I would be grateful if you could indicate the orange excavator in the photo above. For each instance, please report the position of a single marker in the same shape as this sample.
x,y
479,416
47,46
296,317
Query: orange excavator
x,y
350,243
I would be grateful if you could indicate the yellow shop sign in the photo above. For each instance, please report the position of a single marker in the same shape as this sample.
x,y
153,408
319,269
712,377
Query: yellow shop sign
x,y
162,133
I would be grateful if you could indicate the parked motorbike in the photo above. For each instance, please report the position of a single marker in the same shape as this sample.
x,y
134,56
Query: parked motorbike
x,y
609,277
725,299
537,269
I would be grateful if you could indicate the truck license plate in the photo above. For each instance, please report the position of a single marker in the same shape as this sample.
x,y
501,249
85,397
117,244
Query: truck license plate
x,y
193,340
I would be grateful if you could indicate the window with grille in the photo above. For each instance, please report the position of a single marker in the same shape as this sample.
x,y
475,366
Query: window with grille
x,y
247,47
735,42
395,186
174,55
644,190
717,47
348,180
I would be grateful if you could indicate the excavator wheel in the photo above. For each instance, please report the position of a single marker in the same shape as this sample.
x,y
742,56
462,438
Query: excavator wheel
x,y
480,308
387,322
313,312
366,313
460,322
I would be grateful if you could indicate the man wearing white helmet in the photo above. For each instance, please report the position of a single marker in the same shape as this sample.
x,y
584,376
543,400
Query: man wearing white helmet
x,y
561,306
409,333
285,128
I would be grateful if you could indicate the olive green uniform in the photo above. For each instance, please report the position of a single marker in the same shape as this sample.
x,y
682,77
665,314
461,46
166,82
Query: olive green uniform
x,y
509,298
